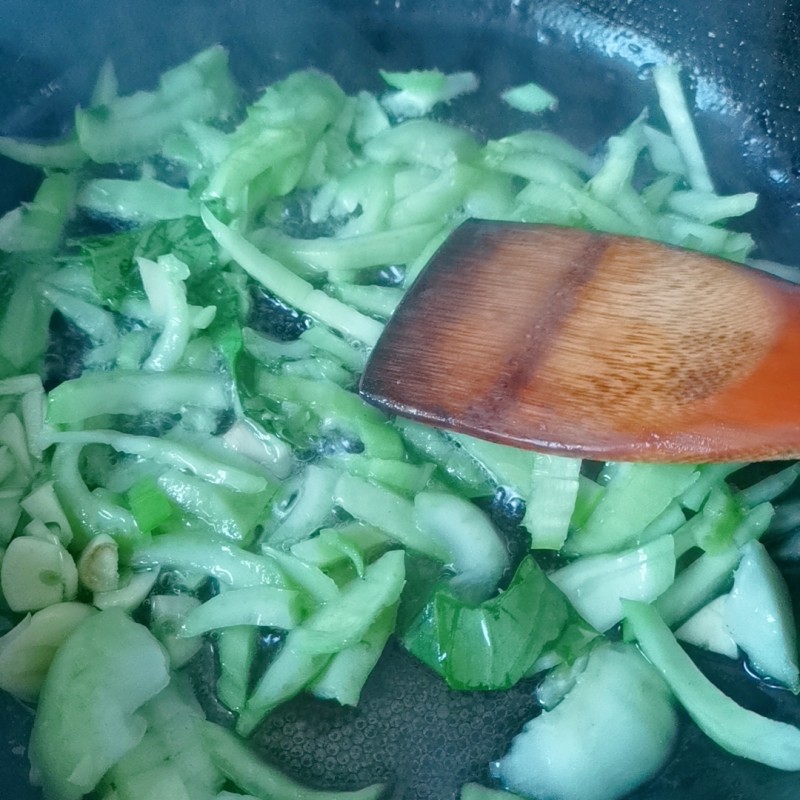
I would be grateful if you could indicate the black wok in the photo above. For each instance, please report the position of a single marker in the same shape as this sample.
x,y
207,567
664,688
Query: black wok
x,y
743,60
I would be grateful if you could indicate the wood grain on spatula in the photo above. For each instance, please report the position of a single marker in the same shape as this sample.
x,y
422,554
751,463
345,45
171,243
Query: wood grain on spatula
x,y
603,346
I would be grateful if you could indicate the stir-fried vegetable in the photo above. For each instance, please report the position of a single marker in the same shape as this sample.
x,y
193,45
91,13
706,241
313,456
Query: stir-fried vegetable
x,y
626,713
181,444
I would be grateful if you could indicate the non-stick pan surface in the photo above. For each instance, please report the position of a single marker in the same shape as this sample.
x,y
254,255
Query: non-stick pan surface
x,y
742,61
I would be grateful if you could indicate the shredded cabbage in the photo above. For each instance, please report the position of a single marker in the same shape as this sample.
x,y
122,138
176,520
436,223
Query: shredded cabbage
x,y
179,418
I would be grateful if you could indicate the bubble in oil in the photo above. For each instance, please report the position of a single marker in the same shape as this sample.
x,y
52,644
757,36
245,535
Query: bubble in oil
x,y
546,36
778,175
522,10
645,71
389,275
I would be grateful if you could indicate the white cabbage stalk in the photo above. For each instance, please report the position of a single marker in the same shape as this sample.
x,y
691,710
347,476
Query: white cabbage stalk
x,y
164,285
613,731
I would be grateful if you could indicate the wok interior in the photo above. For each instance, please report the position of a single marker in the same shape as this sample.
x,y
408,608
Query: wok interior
x,y
593,56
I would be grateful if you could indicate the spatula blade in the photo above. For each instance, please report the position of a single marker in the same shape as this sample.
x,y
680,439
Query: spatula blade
x,y
600,346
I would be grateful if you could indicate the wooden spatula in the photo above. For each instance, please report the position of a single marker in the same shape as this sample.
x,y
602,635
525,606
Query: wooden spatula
x,y
592,345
